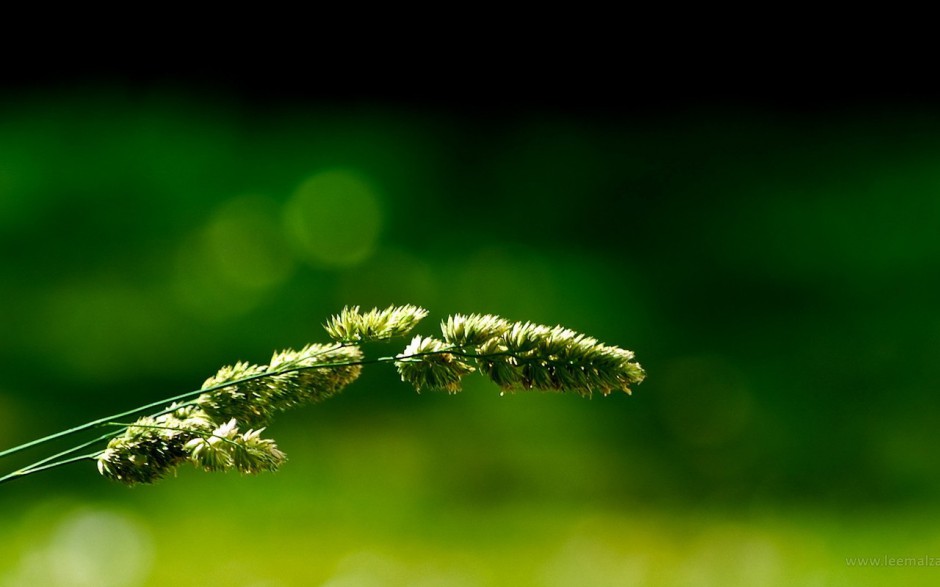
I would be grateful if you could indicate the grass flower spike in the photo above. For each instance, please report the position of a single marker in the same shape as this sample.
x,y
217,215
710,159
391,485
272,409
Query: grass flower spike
x,y
430,363
352,326
218,427
517,356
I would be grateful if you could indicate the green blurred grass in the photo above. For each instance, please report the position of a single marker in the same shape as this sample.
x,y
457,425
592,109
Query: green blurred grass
x,y
377,505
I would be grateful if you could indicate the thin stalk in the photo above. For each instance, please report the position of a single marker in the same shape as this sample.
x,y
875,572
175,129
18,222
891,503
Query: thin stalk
x,y
173,428
106,419
37,466
109,420
23,473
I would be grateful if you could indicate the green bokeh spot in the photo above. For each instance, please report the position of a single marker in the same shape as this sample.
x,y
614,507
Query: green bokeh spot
x,y
334,219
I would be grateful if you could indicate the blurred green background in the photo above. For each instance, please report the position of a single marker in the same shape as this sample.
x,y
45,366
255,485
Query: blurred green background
x,y
776,273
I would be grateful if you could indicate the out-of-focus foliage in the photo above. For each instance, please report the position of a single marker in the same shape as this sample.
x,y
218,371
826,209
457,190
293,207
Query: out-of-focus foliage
x,y
777,276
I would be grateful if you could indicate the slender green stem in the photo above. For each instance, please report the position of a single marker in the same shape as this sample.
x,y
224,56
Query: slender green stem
x,y
182,396
125,426
103,421
24,472
38,465
110,420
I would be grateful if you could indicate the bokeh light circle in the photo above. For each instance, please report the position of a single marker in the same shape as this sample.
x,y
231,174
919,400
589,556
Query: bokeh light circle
x,y
246,246
334,219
